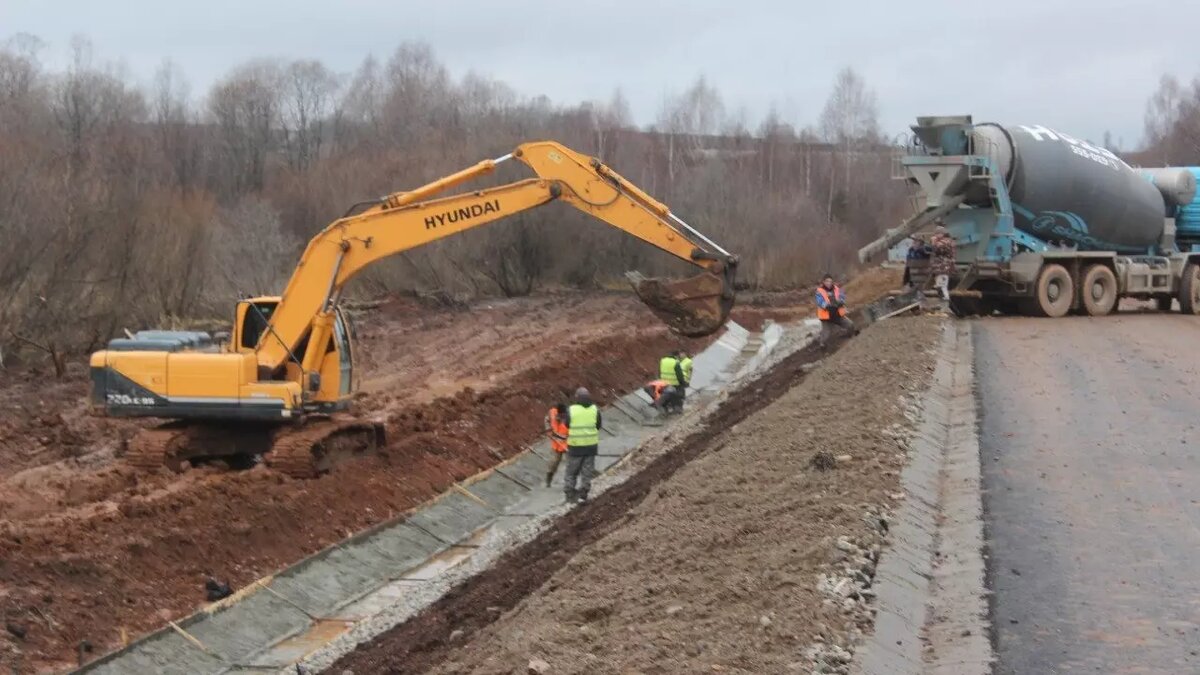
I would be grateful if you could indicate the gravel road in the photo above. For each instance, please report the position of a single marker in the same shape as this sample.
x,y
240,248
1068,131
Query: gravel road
x,y
1091,467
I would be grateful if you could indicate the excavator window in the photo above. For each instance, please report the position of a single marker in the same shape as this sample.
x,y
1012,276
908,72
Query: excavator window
x,y
255,322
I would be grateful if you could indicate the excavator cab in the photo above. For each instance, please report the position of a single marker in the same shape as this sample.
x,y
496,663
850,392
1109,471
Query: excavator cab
x,y
329,388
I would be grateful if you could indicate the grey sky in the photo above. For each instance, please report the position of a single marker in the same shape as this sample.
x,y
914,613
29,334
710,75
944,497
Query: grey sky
x,y
1083,66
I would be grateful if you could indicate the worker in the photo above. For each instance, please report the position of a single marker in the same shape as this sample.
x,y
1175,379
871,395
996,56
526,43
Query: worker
x,y
831,310
942,256
670,370
917,250
685,365
583,441
663,397
556,430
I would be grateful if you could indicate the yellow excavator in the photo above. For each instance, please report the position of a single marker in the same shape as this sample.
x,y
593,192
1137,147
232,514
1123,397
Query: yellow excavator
x,y
280,386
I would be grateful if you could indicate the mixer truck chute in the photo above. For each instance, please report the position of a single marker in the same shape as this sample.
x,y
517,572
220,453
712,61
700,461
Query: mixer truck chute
x,y
1047,224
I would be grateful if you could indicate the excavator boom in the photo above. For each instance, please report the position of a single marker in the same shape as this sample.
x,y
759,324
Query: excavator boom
x,y
405,220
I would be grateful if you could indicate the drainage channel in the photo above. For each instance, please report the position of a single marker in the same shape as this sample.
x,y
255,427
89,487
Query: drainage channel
x,y
277,621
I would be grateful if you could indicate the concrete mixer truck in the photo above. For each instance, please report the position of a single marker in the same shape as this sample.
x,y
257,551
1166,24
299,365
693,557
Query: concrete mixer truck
x,y
1047,224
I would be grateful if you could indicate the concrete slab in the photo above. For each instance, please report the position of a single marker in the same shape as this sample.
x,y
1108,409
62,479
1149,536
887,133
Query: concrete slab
x,y
452,517
528,470
499,491
245,628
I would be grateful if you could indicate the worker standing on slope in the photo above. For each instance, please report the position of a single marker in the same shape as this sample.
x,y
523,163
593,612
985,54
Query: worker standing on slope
x,y
941,263
556,429
670,370
685,365
583,442
831,310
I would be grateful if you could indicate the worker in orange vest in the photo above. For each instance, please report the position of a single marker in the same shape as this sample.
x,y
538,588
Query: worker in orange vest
x,y
663,396
556,430
831,310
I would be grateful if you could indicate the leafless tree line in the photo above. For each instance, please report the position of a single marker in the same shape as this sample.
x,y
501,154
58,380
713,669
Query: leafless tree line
x,y
124,206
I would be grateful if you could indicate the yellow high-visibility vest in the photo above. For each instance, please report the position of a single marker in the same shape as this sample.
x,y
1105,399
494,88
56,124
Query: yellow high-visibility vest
x,y
583,430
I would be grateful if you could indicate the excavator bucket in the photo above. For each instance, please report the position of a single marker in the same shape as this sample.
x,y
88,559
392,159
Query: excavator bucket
x,y
693,307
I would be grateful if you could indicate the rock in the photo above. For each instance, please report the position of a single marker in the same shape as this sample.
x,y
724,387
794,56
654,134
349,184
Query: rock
x,y
538,667
822,461
16,630
674,609
842,459
456,634
844,544
764,621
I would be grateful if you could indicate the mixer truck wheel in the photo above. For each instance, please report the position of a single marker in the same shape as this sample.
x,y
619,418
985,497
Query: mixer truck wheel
x,y
1189,289
1098,292
1055,292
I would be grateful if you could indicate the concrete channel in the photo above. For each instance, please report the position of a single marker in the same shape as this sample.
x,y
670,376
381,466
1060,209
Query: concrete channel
x,y
348,590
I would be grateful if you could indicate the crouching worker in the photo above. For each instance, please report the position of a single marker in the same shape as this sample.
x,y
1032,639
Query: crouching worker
x,y
664,398
556,430
583,442
831,310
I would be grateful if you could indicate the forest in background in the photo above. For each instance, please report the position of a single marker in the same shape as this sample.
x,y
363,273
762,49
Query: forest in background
x,y
124,206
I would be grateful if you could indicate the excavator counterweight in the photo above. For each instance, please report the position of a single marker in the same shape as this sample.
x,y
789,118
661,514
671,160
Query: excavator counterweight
x,y
281,387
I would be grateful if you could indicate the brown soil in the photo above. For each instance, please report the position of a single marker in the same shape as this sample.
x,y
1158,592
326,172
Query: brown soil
x,y
89,547
706,560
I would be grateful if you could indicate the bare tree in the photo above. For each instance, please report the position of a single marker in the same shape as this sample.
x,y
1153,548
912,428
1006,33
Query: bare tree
x,y
1163,113
245,107
849,121
308,94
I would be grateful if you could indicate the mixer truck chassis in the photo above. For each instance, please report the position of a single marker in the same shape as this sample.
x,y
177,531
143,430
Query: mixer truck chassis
x,y
1046,224
1056,283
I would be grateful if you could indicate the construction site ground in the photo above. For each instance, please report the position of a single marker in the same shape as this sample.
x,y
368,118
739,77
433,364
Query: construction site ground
x,y
93,553
710,559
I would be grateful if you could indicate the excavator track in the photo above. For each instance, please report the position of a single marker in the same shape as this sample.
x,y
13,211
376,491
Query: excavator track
x,y
319,445
155,448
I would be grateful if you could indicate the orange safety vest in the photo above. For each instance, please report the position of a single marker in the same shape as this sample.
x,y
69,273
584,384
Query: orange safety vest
x,y
557,432
823,312
656,388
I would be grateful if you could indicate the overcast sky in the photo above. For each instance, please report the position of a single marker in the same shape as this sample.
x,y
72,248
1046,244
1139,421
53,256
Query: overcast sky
x,y
1083,66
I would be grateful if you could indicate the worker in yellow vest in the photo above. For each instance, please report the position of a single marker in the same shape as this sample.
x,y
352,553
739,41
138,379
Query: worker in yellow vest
x,y
583,442
685,364
670,370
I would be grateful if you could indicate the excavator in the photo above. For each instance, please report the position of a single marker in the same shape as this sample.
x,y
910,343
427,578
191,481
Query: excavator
x,y
280,386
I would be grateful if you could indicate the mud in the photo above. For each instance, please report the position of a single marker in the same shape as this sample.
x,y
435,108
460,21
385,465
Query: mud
x,y
707,559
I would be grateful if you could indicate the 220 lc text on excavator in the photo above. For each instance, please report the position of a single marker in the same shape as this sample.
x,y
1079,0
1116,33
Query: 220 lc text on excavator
x,y
281,386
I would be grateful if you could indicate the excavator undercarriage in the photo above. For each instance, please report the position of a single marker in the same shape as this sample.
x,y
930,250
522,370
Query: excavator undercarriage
x,y
303,450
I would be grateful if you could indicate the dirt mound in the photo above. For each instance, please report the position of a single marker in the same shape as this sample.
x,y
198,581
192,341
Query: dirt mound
x,y
706,560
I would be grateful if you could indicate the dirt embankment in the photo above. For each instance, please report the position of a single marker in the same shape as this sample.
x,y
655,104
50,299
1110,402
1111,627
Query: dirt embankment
x,y
89,547
709,559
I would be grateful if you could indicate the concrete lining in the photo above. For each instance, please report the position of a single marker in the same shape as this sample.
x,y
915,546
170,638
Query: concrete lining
x,y
280,620
931,612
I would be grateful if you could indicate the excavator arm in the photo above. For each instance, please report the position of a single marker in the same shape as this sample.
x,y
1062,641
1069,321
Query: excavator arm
x,y
406,220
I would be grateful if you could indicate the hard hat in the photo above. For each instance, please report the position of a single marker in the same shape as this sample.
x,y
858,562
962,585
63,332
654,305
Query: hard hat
x,y
582,393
